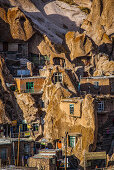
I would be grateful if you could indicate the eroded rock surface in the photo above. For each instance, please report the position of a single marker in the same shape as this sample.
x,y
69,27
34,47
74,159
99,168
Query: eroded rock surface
x,y
17,26
104,67
57,122
99,24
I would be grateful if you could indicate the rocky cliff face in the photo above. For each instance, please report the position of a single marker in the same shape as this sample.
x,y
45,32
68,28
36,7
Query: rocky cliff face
x,y
100,21
57,122
15,106
16,24
43,16
57,29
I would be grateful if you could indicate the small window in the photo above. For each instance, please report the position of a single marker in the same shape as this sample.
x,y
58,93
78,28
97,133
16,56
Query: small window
x,y
57,77
101,106
25,127
35,127
72,141
27,148
71,108
96,84
42,104
3,154
112,87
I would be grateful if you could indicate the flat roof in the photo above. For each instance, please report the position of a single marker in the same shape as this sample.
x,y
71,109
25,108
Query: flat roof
x,y
22,139
48,150
10,140
41,157
74,100
34,77
5,141
98,77
107,96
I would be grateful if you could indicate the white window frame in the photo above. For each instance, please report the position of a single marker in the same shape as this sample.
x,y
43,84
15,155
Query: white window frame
x,y
100,106
59,77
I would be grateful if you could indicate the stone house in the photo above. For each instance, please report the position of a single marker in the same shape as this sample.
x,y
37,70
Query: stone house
x,y
45,159
72,107
30,84
97,85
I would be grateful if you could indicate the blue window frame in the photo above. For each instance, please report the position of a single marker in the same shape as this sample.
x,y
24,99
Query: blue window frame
x,y
71,108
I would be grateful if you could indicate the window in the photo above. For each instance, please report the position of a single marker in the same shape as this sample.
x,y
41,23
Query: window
x,y
101,106
42,104
57,77
96,84
72,141
27,148
25,127
3,154
112,87
71,108
29,87
35,127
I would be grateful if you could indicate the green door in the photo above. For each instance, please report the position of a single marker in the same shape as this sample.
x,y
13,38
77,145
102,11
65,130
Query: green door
x,y
29,87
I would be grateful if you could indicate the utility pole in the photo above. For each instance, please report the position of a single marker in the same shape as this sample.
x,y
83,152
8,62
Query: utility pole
x,y
39,58
18,147
66,133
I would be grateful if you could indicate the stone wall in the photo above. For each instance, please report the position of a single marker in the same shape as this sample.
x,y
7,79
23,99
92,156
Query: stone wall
x,y
45,163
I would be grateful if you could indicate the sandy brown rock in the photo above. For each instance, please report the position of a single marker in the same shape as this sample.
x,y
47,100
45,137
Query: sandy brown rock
x,y
83,3
100,21
78,44
15,106
27,104
57,122
20,26
14,24
104,67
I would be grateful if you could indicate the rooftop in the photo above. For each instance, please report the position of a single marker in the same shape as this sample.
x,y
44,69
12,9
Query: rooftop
x,y
74,100
34,77
99,77
5,141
